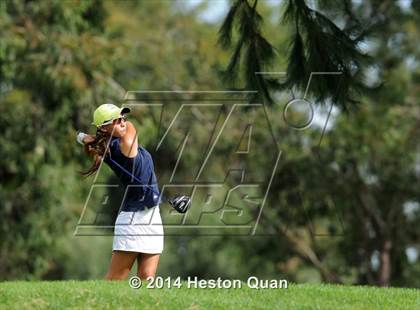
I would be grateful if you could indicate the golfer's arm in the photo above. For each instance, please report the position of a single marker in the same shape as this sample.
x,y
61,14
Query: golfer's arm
x,y
129,142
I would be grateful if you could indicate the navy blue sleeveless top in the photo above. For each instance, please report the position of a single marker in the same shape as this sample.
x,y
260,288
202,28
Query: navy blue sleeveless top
x,y
138,196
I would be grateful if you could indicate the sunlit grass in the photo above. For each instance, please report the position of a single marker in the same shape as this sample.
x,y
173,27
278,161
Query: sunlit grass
x,y
119,295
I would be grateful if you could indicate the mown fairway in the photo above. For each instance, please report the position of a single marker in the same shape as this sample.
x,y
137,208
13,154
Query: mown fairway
x,y
119,295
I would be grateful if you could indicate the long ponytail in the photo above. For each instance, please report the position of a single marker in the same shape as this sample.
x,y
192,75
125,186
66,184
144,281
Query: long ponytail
x,y
96,149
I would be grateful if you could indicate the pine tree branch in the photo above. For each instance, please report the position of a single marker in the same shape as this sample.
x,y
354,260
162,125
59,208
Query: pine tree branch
x,y
252,51
318,45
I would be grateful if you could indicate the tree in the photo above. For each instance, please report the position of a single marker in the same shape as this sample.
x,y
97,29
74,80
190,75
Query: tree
x,y
54,68
317,45
366,170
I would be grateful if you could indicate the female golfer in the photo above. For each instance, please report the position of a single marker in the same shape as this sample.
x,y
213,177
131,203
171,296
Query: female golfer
x,y
138,232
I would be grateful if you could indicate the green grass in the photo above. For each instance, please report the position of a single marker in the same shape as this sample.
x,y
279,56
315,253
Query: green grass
x,y
118,295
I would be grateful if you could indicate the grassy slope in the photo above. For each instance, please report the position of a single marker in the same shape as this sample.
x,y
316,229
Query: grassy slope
x,y
118,295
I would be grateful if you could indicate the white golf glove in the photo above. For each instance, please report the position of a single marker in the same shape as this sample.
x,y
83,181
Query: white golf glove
x,y
80,137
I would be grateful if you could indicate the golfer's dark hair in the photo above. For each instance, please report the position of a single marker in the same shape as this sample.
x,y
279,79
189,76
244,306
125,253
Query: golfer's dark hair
x,y
96,149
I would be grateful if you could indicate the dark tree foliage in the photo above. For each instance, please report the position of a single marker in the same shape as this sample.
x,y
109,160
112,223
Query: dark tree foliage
x,y
251,47
317,45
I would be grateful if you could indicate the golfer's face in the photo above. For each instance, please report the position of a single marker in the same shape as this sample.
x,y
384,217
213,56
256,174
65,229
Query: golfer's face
x,y
118,127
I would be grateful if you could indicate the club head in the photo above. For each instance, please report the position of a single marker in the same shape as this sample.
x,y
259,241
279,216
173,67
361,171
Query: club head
x,y
180,203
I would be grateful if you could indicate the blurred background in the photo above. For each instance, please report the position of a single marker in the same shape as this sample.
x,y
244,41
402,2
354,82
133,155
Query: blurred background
x,y
344,204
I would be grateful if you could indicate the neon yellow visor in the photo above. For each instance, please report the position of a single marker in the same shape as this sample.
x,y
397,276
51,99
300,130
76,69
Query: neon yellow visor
x,y
106,113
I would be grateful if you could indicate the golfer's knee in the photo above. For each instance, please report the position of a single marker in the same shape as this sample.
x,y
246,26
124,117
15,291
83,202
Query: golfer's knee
x,y
116,275
146,273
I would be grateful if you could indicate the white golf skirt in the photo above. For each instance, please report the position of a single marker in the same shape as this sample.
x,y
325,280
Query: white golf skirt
x,y
140,231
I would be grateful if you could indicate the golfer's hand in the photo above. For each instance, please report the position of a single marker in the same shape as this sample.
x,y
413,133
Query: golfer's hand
x,y
83,138
88,139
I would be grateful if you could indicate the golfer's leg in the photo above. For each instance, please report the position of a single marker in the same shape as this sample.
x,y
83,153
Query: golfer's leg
x,y
120,266
147,265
